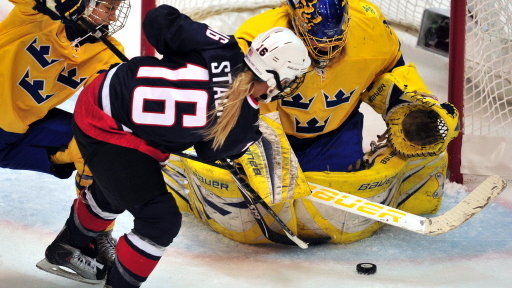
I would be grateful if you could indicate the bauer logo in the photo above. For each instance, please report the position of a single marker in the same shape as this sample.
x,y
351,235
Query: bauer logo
x,y
377,93
386,159
212,183
254,161
376,184
355,204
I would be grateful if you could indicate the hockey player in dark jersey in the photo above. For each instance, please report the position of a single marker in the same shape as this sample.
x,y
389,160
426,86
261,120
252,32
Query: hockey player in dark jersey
x,y
203,93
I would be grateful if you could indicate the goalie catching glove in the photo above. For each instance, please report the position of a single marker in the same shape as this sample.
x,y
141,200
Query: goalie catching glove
x,y
421,126
418,125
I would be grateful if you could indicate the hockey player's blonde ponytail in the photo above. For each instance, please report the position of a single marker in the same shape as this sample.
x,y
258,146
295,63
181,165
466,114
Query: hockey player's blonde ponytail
x,y
276,58
231,104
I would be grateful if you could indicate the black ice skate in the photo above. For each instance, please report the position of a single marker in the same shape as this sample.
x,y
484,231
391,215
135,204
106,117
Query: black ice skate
x,y
106,248
60,255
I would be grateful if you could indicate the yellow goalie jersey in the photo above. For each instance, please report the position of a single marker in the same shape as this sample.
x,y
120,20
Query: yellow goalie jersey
x,y
329,96
41,67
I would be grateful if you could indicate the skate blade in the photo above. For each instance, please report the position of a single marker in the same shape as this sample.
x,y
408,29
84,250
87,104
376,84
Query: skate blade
x,y
58,270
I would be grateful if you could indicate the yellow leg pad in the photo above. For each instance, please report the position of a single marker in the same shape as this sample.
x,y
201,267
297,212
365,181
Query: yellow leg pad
x,y
379,184
216,201
421,191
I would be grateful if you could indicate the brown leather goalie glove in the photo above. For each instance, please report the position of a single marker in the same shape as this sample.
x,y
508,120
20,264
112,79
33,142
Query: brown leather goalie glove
x,y
421,126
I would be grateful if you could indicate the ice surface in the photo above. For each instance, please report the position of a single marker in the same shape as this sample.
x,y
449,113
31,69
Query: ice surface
x,y
34,206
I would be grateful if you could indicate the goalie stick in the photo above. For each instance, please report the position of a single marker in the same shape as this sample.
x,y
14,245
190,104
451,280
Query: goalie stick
x,y
473,203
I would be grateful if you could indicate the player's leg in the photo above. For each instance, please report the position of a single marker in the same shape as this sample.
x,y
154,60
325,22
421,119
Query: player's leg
x,y
132,180
33,150
156,224
91,213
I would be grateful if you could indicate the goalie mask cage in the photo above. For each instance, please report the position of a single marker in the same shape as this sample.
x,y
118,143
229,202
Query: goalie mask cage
x,y
480,67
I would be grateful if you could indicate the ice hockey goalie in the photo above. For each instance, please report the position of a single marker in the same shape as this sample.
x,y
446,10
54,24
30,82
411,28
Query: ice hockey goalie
x,y
413,184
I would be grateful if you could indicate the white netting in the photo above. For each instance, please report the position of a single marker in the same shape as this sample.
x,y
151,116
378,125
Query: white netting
x,y
488,61
487,140
408,12
488,71
223,15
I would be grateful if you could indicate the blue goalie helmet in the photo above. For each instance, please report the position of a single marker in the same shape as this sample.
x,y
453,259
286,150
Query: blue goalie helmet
x,y
322,25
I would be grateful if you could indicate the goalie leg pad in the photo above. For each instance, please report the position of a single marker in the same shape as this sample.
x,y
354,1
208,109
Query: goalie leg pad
x,y
177,183
214,199
379,184
271,167
421,190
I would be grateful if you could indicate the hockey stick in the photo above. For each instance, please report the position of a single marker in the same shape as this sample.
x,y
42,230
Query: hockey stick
x,y
90,27
253,198
473,203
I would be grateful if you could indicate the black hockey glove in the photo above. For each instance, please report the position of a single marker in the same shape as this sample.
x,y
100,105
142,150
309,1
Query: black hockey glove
x,y
61,9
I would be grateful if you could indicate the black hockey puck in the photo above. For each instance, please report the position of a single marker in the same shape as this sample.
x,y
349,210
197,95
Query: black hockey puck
x,y
366,268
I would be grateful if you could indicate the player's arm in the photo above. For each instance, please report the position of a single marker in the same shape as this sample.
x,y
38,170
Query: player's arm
x,y
233,148
246,33
245,133
170,31
395,76
387,89
257,24
418,124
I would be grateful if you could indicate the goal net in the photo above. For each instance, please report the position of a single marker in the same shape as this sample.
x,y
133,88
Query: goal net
x,y
485,96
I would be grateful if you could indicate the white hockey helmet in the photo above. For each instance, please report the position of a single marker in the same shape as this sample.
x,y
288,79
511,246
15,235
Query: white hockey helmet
x,y
279,58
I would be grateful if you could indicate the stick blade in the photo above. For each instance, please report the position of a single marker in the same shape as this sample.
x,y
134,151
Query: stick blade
x,y
473,203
